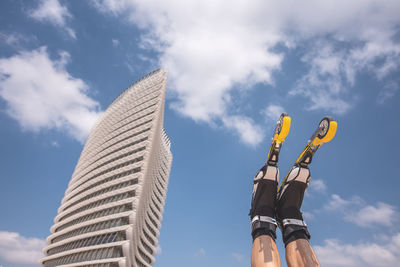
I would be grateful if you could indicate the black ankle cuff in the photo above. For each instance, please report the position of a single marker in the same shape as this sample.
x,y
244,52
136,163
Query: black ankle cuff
x,y
263,225
263,231
301,234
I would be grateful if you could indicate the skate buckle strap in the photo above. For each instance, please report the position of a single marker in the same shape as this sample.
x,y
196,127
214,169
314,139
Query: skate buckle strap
x,y
266,219
293,229
294,222
263,225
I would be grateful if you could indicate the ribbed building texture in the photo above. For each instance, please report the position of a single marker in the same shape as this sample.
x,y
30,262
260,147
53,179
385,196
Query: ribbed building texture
x,y
112,209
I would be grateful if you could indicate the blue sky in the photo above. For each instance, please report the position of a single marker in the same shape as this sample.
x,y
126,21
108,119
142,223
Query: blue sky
x,y
233,68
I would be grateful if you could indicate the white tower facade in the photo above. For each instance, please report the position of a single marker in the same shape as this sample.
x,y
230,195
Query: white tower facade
x,y
112,209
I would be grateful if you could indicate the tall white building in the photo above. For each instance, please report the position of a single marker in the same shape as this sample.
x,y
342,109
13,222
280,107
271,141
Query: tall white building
x,y
112,209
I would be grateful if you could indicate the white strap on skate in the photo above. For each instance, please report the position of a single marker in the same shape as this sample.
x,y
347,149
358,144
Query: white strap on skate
x,y
294,222
263,219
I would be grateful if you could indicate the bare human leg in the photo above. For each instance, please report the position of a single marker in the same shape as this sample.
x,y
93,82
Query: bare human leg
x,y
264,252
299,253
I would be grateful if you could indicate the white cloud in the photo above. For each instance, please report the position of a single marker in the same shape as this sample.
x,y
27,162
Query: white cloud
x,y
55,144
41,94
355,210
318,185
380,215
55,13
213,48
335,253
308,215
338,203
201,252
323,85
237,256
333,71
16,249
13,39
248,131
388,92
273,112
115,42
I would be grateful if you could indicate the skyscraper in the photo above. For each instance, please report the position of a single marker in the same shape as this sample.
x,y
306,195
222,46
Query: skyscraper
x,y
112,209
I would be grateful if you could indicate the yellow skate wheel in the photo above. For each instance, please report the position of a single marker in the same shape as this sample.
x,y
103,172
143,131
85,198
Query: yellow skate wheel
x,y
285,121
328,130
